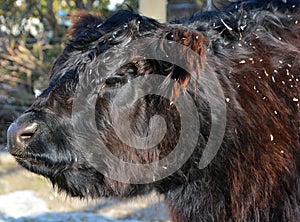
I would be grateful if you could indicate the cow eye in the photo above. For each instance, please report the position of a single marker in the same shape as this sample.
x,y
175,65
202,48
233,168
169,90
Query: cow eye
x,y
115,81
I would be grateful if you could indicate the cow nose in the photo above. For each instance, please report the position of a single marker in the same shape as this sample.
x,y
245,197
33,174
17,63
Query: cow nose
x,y
18,136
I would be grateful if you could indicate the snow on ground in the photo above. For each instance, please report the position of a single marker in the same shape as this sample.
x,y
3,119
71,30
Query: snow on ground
x,y
64,217
24,206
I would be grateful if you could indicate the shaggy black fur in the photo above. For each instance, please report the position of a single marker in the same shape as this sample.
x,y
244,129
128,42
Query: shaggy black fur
x,y
253,49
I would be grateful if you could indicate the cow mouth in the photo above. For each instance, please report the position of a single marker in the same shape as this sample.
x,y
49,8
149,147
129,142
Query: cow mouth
x,y
31,161
37,165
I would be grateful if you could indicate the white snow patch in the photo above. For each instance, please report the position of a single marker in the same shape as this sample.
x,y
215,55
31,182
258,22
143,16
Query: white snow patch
x,y
21,204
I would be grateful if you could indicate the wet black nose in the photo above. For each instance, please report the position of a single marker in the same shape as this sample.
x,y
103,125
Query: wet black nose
x,y
18,136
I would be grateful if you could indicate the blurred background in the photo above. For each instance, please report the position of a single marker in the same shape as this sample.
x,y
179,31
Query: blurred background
x,y
32,35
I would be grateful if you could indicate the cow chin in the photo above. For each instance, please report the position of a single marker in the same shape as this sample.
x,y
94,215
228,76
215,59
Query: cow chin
x,y
81,182
89,183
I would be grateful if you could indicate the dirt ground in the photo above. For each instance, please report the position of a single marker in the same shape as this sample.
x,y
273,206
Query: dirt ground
x,y
13,178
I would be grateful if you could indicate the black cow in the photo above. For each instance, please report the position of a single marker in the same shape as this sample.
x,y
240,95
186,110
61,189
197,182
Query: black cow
x,y
203,110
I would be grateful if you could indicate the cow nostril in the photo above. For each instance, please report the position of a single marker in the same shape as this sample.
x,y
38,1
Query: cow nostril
x,y
25,133
26,136
19,135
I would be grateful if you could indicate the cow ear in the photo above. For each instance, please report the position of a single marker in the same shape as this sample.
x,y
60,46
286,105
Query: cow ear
x,y
190,38
83,22
195,41
181,76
